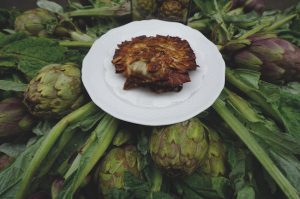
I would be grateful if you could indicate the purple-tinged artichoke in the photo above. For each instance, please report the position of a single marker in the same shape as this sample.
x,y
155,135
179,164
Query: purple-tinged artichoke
x,y
55,91
180,148
14,117
214,164
114,165
36,22
249,5
5,161
277,59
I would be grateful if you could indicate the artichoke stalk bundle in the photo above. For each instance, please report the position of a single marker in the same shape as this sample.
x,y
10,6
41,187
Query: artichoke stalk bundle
x,y
55,91
180,148
277,59
14,117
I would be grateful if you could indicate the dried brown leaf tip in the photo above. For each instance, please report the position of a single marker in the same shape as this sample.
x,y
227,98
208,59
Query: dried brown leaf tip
x,y
160,63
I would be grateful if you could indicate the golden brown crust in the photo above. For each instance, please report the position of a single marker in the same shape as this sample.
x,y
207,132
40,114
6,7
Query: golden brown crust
x,y
160,63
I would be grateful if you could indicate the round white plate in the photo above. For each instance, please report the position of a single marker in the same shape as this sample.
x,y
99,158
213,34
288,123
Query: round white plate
x,y
141,106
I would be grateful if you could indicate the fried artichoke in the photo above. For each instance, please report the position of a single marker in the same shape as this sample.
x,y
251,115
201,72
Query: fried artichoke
x,y
160,63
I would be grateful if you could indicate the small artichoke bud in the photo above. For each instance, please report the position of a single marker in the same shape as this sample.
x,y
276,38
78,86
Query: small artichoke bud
x,y
35,22
114,165
57,185
179,148
55,91
214,164
14,117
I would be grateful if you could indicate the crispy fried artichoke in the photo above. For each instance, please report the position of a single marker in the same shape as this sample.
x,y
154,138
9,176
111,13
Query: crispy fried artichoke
x,y
160,63
55,91
180,148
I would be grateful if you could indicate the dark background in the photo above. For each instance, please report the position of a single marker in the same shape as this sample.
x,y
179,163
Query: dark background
x,y
27,4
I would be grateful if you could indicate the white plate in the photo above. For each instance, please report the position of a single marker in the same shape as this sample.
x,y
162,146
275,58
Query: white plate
x,y
142,106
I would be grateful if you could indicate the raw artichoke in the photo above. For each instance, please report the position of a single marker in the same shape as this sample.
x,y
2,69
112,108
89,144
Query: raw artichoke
x,y
14,117
277,59
37,22
171,8
55,91
214,164
146,6
249,5
180,148
114,165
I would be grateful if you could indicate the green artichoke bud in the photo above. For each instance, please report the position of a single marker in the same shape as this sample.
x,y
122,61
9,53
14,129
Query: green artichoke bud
x,y
114,165
55,91
180,148
5,161
214,164
277,59
171,8
14,117
36,22
147,6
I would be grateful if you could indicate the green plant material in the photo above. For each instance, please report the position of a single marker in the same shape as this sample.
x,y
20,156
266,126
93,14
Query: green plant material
x,y
201,186
255,148
214,162
114,165
278,144
7,18
277,59
55,91
7,85
49,142
29,54
92,151
137,188
14,118
57,185
123,137
281,103
10,177
180,148
36,22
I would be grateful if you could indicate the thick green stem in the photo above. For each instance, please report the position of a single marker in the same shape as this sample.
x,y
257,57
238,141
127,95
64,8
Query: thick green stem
x,y
102,137
87,44
99,12
48,143
256,149
253,95
280,22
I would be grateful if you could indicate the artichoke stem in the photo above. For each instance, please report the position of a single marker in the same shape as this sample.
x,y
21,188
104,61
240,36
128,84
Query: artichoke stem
x,y
48,143
87,44
280,22
253,95
97,145
79,36
255,148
